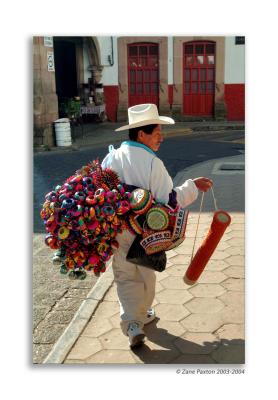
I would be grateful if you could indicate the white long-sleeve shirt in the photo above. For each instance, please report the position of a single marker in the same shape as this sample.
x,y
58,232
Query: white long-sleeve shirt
x,y
137,165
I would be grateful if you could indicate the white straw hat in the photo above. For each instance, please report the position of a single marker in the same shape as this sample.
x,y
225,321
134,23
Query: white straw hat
x,y
144,114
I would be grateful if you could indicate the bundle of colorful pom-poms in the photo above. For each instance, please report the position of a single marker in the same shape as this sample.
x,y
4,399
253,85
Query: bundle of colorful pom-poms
x,y
83,216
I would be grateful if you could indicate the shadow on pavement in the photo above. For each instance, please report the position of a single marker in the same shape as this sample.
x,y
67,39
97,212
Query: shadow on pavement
x,y
178,350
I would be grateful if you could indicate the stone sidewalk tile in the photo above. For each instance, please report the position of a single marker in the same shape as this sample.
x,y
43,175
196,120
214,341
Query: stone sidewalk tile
x,y
171,312
112,294
234,284
207,290
235,241
199,324
216,265
172,282
235,260
113,340
179,259
233,298
234,235
197,343
233,332
232,314
173,296
212,277
204,305
110,357
235,251
203,322
85,347
177,270
97,327
223,246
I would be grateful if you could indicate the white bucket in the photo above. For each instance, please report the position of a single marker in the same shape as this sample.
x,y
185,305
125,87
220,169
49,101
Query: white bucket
x,y
63,132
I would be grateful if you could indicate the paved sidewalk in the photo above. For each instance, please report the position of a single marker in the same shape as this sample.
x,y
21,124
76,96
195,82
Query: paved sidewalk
x,y
200,324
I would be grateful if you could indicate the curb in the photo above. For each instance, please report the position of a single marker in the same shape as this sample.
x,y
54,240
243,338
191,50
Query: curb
x,y
66,341
179,177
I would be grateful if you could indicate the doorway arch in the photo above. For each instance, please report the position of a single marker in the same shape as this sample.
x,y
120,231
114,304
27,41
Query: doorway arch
x,y
70,71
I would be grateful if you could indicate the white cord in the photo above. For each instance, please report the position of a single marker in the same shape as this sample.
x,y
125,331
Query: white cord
x,y
214,199
201,207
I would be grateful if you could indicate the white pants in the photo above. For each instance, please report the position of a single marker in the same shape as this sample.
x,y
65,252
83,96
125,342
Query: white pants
x,y
135,284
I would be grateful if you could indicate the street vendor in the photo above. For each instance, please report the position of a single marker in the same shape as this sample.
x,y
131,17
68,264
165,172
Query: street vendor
x,y
137,164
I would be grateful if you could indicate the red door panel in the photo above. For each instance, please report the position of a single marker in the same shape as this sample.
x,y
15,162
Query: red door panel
x,y
143,74
198,78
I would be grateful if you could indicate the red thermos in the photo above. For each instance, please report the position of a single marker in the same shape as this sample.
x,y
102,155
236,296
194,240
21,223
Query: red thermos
x,y
221,220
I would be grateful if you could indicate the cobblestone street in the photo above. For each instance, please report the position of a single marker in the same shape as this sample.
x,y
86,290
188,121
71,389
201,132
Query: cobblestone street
x,y
56,299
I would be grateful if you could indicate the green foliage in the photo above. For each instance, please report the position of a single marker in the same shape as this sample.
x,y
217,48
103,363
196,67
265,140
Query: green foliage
x,y
70,108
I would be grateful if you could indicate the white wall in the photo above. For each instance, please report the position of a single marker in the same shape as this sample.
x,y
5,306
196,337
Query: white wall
x,y
234,61
109,73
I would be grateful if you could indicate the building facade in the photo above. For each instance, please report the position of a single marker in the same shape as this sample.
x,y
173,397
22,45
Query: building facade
x,y
188,77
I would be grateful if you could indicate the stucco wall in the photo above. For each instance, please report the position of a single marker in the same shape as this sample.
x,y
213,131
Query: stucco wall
x,y
234,61
110,72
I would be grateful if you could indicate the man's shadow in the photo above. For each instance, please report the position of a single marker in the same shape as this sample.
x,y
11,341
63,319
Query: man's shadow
x,y
177,350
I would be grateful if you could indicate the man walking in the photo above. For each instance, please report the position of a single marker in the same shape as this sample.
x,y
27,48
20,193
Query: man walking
x,y
137,164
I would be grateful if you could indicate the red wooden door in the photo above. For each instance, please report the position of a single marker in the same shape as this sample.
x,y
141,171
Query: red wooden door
x,y
143,78
198,78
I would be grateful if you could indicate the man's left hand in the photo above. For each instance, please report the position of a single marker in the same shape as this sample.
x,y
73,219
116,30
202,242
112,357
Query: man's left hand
x,y
203,184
